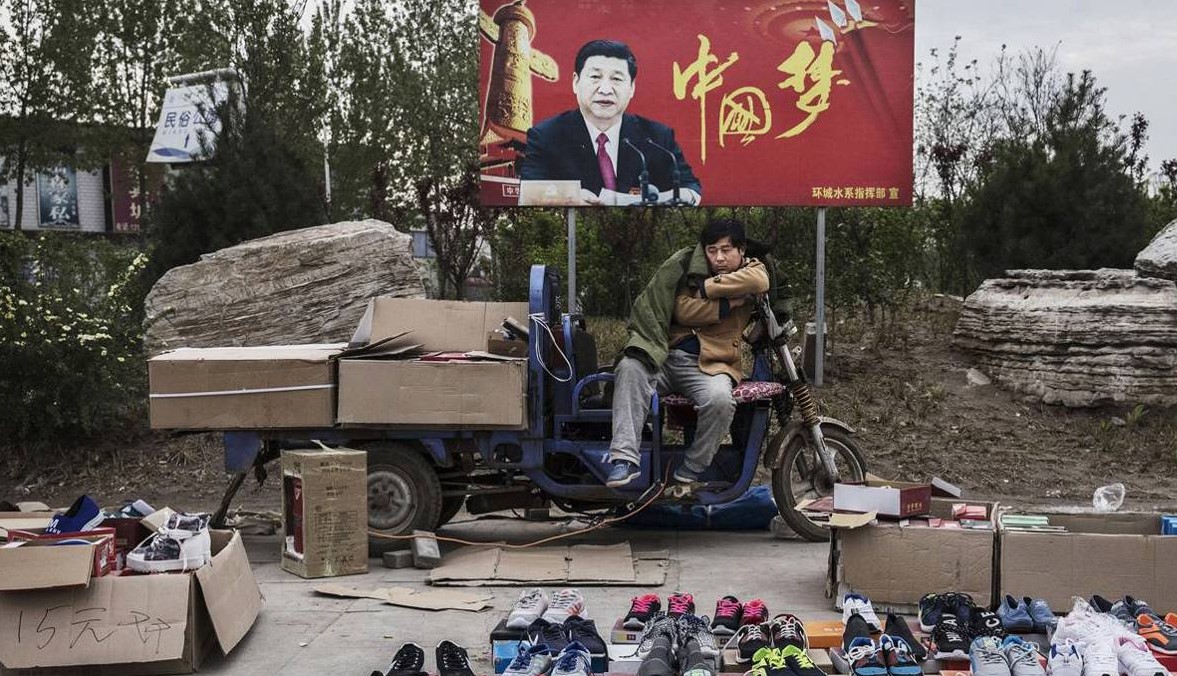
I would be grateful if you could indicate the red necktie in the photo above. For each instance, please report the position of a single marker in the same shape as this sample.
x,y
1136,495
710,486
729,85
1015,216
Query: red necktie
x,y
607,174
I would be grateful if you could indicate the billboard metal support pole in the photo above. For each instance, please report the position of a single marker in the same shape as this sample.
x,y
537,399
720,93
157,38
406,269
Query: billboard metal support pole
x,y
571,261
820,285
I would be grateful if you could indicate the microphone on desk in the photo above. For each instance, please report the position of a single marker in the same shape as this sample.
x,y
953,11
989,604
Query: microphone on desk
x,y
675,179
648,196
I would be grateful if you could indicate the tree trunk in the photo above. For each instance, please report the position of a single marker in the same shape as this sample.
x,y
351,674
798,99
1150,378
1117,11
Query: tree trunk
x,y
21,154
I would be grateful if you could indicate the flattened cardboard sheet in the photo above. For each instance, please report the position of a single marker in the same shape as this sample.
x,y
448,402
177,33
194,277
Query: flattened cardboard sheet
x,y
424,599
584,565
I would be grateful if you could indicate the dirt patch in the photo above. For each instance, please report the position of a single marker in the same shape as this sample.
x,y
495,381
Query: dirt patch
x,y
897,381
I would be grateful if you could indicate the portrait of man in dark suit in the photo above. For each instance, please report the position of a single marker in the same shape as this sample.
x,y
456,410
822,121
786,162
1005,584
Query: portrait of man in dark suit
x,y
598,143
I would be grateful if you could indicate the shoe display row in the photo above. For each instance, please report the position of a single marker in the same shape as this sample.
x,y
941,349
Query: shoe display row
x,y
1139,618
1103,644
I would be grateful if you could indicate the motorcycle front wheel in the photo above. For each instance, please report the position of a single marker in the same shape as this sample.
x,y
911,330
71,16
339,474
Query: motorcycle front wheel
x,y
803,477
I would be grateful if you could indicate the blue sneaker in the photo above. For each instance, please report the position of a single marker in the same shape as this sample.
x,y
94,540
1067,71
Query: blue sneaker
x,y
1015,616
622,473
1041,613
897,654
81,516
865,658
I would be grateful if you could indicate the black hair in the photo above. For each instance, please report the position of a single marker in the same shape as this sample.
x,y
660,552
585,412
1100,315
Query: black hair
x,y
724,227
611,48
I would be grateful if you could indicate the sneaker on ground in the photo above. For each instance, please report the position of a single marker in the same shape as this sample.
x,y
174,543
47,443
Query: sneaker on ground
x,y
1064,659
865,658
950,640
531,605
531,660
931,607
83,515
584,631
987,623
452,660
563,605
856,627
551,634
623,473
641,610
1041,614
859,603
748,640
182,543
1015,616
680,604
896,627
1022,656
1161,637
788,630
728,613
1100,658
408,661
800,664
987,658
897,655
754,612
661,626
573,660
694,628
1136,659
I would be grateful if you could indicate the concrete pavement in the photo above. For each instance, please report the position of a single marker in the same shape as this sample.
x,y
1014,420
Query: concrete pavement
x,y
301,634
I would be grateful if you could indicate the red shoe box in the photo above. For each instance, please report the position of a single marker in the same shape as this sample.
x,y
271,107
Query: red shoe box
x,y
102,538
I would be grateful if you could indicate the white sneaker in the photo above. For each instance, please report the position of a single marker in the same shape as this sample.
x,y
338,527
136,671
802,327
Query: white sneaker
x,y
1064,660
858,603
564,604
1099,659
531,604
181,544
1136,659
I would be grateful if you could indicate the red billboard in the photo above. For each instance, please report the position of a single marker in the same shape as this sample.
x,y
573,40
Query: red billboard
x,y
759,102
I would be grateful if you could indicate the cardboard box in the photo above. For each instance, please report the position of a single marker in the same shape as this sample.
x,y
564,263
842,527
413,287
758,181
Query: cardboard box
x,y
133,624
824,633
482,394
497,344
1111,554
224,388
886,498
435,324
894,564
32,564
331,510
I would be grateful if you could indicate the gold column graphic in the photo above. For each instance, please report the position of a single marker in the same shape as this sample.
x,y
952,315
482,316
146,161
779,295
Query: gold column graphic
x,y
508,110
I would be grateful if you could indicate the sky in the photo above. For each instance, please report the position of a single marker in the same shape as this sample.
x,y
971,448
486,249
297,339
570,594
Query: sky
x,y
1129,45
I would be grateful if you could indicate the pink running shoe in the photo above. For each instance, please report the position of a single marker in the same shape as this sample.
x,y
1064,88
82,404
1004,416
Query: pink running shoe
x,y
680,604
641,610
755,612
727,616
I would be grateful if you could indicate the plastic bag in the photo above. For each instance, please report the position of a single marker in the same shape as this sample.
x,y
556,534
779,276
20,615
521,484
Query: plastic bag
x,y
1108,498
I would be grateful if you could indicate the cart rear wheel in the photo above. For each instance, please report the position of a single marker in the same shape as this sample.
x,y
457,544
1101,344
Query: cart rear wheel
x,y
404,494
802,476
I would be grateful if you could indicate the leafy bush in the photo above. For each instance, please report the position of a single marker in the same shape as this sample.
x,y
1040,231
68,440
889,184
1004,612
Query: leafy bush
x,y
70,340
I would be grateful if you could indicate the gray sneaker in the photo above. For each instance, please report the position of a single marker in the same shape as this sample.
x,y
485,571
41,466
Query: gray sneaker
x,y
574,660
1022,656
661,626
987,657
531,661
694,628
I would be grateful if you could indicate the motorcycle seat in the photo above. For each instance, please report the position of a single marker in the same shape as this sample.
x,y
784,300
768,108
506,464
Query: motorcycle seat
x,y
745,392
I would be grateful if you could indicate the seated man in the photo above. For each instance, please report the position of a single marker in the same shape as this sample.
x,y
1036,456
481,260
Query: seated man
x,y
684,337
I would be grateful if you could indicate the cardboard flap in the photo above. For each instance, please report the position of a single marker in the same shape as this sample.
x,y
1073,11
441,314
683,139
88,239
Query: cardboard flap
x,y
113,621
851,520
436,324
41,566
23,520
230,591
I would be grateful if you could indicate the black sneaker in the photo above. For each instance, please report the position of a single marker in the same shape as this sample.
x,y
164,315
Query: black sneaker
x,y
897,626
452,660
542,632
961,606
747,640
786,630
585,631
641,610
728,612
951,641
986,623
659,660
856,627
931,607
408,661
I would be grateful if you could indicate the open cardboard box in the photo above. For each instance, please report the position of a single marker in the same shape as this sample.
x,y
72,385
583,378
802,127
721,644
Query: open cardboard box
x,y
1111,554
896,562
131,624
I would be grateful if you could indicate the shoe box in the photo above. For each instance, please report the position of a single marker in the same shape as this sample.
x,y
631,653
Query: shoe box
x,y
886,498
622,636
64,616
896,561
325,512
1110,553
504,646
33,559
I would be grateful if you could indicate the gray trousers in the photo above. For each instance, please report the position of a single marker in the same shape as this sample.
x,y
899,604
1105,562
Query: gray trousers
x,y
633,385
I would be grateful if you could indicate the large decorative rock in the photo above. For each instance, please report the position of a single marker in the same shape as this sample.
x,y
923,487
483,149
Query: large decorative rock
x,y
303,286
1159,258
1075,337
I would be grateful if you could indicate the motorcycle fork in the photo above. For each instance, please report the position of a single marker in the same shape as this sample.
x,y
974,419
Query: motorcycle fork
x,y
802,395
